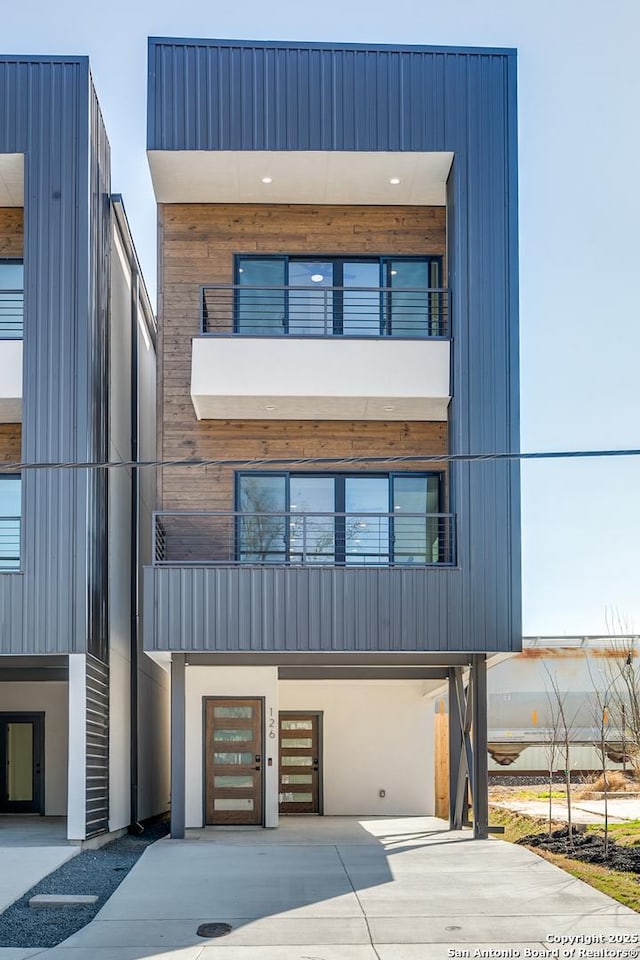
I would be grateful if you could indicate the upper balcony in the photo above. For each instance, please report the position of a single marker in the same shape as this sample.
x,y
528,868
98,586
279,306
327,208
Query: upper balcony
x,y
11,321
315,350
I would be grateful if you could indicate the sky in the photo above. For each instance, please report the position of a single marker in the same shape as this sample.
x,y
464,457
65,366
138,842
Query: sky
x,y
579,211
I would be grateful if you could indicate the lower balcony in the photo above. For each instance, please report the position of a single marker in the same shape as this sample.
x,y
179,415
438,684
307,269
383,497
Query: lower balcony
x,y
290,583
295,538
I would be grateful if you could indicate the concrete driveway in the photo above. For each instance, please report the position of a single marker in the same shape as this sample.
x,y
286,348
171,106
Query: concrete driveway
x,y
30,848
341,889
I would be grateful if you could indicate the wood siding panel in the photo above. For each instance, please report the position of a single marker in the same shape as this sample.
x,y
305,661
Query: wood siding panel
x,y
10,442
197,246
11,231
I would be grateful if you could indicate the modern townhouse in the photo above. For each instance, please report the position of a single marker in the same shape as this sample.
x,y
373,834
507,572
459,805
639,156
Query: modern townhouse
x,y
77,386
337,338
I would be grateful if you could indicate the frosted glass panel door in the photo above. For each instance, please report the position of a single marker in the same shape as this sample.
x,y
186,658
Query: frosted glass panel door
x,y
300,763
233,761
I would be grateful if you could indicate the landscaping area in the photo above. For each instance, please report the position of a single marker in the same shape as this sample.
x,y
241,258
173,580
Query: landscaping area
x,y
613,868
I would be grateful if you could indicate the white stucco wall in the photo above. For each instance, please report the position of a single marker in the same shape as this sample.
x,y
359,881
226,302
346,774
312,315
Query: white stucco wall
x,y
377,735
227,682
50,697
77,740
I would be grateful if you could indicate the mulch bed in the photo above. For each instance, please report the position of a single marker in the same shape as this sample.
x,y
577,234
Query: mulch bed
x,y
586,847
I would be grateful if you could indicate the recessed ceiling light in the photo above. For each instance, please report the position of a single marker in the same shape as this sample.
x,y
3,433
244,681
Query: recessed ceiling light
x,y
395,181
270,406
389,409
317,277
394,273
267,180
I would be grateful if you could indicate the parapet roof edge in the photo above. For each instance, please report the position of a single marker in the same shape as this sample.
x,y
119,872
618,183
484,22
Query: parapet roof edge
x,y
34,58
326,45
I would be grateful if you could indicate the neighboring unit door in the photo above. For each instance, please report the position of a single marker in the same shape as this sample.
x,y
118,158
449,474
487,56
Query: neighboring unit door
x,y
300,763
21,763
233,761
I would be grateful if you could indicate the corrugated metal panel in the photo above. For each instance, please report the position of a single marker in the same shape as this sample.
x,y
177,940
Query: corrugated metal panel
x,y
45,111
98,349
11,592
97,751
225,95
305,608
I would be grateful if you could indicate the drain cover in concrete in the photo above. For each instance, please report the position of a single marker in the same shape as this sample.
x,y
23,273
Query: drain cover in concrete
x,y
61,900
214,929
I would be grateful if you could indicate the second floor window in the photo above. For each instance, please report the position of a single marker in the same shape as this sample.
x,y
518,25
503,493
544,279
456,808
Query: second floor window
x,y
339,296
357,519
10,510
11,299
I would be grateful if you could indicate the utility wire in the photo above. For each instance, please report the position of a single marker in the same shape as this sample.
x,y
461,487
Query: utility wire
x,y
19,467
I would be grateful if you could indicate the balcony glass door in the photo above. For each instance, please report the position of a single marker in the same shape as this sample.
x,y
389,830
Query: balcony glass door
x,y
412,307
416,539
366,538
311,305
358,519
361,307
262,532
260,309
312,536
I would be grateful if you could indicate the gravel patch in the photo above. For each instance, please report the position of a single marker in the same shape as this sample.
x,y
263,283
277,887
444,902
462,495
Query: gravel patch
x,y
92,872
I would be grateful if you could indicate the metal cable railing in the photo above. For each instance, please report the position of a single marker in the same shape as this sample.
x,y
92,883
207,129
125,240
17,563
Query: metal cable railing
x,y
11,314
293,538
296,311
9,544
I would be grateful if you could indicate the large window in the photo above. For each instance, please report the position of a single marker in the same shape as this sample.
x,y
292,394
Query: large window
x,y
10,498
11,299
339,296
359,519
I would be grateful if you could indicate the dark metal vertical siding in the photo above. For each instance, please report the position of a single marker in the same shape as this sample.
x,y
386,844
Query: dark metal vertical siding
x,y
46,114
227,95
97,747
98,367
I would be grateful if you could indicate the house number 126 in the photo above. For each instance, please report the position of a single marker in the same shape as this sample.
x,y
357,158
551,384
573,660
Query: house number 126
x,y
272,725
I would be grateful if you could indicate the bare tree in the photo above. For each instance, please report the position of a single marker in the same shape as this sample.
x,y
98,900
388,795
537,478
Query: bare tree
x,y
623,667
552,750
566,727
601,711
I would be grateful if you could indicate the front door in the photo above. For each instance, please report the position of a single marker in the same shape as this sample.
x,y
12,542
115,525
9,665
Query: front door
x,y
21,763
300,763
233,761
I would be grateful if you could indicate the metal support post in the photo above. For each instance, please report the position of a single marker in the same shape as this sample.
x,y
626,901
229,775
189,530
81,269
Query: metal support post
x,y
480,780
178,740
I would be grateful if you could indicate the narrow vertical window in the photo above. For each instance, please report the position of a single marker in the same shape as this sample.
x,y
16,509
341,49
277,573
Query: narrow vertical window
x,y
10,509
11,299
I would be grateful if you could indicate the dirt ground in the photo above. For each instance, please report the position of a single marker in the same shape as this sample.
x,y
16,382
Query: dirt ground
x,y
587,847
582,788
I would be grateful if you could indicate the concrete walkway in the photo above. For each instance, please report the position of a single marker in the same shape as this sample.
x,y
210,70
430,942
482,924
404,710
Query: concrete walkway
x,y
621,809
340,889
30,848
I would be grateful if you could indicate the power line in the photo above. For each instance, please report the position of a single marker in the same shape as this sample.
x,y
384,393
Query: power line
x,y
20,467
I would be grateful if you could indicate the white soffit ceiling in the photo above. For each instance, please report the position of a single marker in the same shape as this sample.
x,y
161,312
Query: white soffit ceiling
x,y
214,176
11,180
